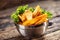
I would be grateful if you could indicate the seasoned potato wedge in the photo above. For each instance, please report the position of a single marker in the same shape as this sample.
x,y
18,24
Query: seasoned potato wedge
x,y
41,21
23,18
28,15
37,11
34,20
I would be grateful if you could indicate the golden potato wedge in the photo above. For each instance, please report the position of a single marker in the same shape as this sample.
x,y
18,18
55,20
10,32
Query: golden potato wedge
x,y
34,20
23,18
28,15
41,21
37,11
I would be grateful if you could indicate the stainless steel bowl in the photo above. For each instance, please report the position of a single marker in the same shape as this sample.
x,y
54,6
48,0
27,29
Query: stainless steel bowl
x,y
32,31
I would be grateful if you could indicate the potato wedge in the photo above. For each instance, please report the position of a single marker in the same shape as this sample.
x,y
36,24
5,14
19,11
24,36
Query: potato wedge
x,y
41,21
37,11
23,18
34,20
28,15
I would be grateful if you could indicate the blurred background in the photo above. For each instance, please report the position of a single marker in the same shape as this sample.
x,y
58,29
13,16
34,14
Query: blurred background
x,y
11,3
7,27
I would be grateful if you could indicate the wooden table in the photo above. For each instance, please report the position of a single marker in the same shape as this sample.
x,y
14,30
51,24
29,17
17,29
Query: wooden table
x,y
8,30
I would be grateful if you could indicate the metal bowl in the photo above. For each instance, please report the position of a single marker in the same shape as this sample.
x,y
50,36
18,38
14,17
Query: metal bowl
x,y
32,31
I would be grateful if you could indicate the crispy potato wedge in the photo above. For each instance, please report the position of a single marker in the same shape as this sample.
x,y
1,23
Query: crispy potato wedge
x,y
41,21
37,11
28,15
34,20
23,18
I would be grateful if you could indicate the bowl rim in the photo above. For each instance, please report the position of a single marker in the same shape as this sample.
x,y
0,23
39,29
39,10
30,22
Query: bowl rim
x,y
19,26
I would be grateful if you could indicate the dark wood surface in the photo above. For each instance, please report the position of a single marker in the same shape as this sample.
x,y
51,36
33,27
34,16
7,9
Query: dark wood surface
x,y
8,30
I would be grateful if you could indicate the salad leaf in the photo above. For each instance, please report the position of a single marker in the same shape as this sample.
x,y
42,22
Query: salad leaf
x,y
47,12
31,9
14,16
21,9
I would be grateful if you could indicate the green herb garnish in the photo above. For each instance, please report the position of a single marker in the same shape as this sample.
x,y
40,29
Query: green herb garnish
x,y
31,9
47,12
21,9
14,16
